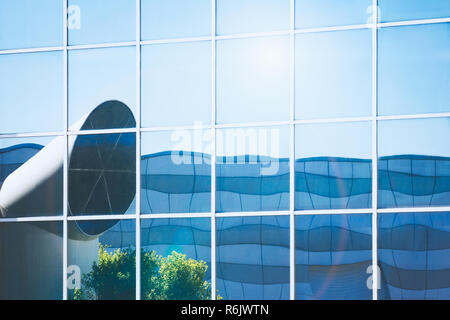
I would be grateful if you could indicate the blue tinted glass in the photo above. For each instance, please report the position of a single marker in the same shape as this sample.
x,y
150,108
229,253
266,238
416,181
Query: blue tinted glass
x,y
96,21
333,166
31,259
102,174
333,257
189,241
414,163
31,177
31,23
103,253
253,258
161,19
176,84
31,91
252,169
176,171
414,69
100,75
414,255
333,74
413,9
253,80
324,13
245,16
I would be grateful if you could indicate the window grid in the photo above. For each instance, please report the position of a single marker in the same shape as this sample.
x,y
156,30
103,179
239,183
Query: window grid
x,y
292,213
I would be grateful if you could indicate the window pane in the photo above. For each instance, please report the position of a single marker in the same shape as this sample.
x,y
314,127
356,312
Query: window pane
x,y
333,74
253,258
176,84
102,174
325,13
333,257
31,91
31,261
414,69
94,21
101,260
252,169
177,250
162,19
253,80
31,23
414,255
414,163
413,9
176,171
100,75
31,177
333,170
246,16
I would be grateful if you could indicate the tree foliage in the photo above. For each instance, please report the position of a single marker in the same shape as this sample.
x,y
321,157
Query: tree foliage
x,y
162,278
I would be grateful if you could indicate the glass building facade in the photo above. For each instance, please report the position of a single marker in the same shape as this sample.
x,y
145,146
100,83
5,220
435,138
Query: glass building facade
x,y
280,149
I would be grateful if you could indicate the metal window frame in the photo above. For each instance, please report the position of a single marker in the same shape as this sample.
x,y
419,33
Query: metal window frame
x,y
213,38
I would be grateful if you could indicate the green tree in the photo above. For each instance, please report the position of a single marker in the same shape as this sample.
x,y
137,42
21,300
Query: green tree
x,y
180,279
162,278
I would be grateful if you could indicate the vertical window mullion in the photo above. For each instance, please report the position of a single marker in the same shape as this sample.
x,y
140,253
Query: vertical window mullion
x,y
292,149
138,150
375,274
213,151
66,156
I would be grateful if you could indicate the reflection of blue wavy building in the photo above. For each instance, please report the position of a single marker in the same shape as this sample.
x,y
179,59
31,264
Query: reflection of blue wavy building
x,y
332,251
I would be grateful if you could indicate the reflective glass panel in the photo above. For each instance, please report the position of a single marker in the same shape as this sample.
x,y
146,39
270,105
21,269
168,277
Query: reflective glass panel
x,y
96,21
31,261
414,163
162,19
102,174
176,171
413,9
333,257
252,169
333,74
176,257
31,177
97,76
31,91
253,80
101,260
414,256
253,258
326,13
31,23
414,69
176,84
333,166
245,16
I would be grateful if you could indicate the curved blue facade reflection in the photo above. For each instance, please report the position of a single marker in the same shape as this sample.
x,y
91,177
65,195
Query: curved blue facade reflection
x,y
413,181
414,255
333,183
332,256
333,252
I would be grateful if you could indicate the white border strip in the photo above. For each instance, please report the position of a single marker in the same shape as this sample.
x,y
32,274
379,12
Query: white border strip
x,y
174,40
412,22
229,214
225,37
